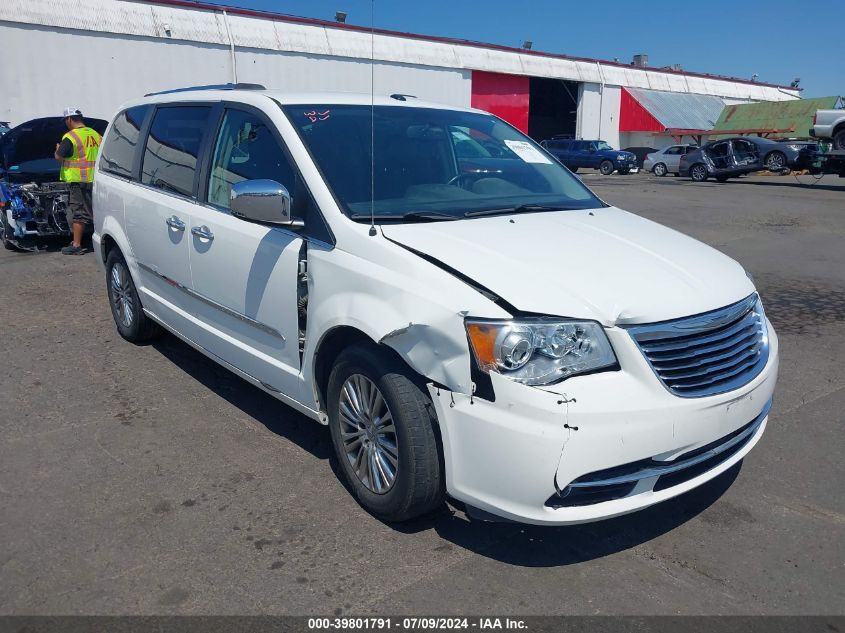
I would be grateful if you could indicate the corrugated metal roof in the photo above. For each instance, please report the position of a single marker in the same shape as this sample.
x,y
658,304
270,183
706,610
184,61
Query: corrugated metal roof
x,y
786,115
680,110
202,22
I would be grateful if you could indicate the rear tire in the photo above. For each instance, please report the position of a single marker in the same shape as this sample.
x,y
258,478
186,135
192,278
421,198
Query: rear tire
x,y
126,309
698,172
606,168
388,445
839,139
573,169
775,161
659,169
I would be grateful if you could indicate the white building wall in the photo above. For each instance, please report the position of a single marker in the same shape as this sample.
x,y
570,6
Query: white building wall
x,y
175,23
119,68
645,139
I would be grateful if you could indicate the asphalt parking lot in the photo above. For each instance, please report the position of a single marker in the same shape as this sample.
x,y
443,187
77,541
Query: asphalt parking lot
x,y
147,480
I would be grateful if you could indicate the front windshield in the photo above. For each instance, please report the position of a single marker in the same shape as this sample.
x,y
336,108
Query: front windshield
x,y
604,145
432,164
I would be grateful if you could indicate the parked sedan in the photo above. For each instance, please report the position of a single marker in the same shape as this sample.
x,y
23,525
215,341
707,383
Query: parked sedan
x,y
733,157
667,160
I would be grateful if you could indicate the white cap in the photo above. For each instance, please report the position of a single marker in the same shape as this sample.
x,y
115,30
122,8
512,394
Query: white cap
x,y
72,112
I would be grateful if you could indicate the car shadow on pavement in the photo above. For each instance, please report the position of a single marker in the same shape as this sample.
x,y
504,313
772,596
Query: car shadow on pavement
x,y
511,543
264,408
537,546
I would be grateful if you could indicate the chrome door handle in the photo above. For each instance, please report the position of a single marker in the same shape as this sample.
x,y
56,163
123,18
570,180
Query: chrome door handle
x,y
175,223
203,232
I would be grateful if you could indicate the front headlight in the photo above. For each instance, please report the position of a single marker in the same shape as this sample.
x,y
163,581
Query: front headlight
x,y
539,351
796,148
620,157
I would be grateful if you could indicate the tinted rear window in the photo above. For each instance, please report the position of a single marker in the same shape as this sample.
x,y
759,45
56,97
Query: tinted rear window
x,y
119,149
173,146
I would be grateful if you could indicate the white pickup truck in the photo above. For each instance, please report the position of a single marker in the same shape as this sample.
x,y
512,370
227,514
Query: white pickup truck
x,y
830,124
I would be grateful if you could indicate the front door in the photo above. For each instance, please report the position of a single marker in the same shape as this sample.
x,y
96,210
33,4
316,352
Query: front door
x,y
245,274
591,156
158,212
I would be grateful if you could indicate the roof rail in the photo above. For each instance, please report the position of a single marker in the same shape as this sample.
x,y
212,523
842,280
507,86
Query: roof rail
x,y
228,86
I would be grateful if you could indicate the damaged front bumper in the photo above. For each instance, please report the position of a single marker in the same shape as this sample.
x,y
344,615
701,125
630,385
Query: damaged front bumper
x,y
595,446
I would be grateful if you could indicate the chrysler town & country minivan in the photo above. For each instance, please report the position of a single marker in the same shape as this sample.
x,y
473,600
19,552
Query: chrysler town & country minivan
x,y
463,313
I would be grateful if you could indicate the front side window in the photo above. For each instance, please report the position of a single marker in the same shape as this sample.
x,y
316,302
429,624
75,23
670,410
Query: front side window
x,y
603,146
245,150
118,153
173,146
430,163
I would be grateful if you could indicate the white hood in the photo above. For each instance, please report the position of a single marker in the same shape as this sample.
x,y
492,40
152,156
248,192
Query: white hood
x,y
604,264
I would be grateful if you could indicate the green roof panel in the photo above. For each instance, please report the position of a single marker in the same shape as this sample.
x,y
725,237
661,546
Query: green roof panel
x,y
778,115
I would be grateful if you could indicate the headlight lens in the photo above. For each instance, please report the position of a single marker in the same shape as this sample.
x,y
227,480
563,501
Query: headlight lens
x,y
620,157
539,351
796,148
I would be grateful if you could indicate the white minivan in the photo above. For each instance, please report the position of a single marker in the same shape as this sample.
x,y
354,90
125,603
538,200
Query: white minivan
x,y
462,312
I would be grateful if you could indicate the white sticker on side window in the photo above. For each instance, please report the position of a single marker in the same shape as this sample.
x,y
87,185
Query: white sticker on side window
x,y
527,152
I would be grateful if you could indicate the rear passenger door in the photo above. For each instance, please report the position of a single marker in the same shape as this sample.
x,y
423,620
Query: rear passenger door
x,y
159,210
244,272
746,155
720,157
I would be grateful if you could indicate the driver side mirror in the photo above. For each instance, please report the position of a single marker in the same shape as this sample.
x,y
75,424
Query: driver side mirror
x,y
263,201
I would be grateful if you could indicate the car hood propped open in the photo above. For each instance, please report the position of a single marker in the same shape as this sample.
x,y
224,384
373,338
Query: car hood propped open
x,y
26,151
604,264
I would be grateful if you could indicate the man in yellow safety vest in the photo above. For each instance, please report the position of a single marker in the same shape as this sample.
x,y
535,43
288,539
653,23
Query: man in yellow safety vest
x,y
78,153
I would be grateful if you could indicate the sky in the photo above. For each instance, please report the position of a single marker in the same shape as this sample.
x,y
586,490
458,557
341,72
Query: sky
x,y
778,40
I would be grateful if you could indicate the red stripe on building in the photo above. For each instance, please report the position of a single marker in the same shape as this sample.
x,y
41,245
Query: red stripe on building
x,y
506,96
633,117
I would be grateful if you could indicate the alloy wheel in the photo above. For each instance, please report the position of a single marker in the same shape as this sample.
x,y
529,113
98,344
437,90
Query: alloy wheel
x,y
121,295
775,161
368,434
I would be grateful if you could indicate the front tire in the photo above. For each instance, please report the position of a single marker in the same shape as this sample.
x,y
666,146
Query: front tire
x,y
659,169
698,172
606,168
839,139
7,230
126,309
384,434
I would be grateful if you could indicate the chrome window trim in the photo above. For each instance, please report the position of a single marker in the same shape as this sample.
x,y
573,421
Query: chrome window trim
x,y
164,192
219,306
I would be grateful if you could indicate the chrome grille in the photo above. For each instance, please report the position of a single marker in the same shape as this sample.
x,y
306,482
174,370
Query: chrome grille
x,y
708,353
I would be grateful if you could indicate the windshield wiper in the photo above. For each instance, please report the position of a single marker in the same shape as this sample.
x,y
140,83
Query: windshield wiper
x,y
517,209
432,216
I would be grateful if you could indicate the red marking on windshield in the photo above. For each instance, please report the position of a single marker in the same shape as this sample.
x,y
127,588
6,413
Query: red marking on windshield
x,y
315,116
